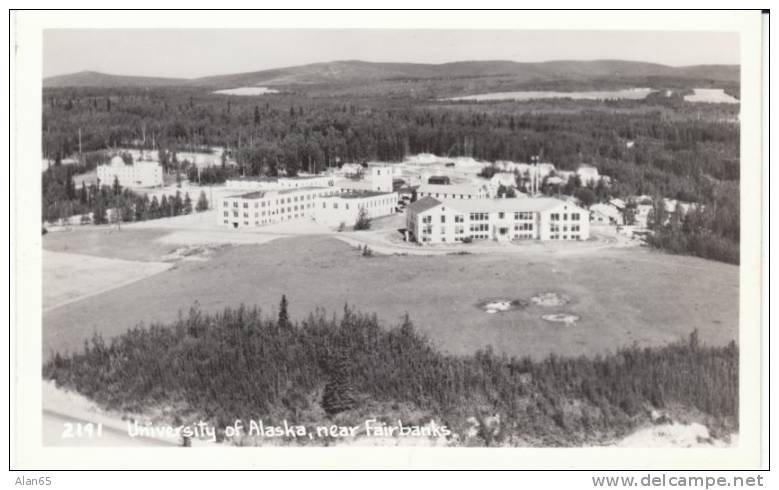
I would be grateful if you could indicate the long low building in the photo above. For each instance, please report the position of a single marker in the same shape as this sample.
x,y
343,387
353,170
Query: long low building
x,y
260,208
326,205
431,221
141,173
345,208
453,191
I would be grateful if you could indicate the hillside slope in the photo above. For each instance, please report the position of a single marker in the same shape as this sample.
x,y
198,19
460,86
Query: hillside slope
x,y
354,71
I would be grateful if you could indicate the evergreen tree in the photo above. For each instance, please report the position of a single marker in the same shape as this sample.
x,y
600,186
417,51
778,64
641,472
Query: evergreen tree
x,y
202,202
363,222
187,204
116,187
154,208
83,196
338,394
283,321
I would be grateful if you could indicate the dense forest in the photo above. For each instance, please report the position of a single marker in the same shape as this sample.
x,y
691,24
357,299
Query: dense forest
x,y
658,146
243,364
103,203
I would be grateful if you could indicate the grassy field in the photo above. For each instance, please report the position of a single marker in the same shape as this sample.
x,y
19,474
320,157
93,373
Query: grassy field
x,y
70,277
622,296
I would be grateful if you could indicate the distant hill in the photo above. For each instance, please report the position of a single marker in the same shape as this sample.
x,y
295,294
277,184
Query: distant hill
x,y
352,71
97,79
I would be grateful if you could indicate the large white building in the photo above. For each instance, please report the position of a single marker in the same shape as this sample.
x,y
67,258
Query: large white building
x,y
260,208
139,174
431,221
326,205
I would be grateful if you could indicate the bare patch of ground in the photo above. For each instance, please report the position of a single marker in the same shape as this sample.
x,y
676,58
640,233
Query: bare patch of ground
x,y
71,277
501,305
566,318
550,299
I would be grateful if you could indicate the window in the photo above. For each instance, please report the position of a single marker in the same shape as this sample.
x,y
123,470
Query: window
x,y
246,205
459,218
574,227
555,216
443,218
227,214
501,215
575,216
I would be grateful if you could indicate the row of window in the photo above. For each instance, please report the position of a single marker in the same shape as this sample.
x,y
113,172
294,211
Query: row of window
x,y
574,216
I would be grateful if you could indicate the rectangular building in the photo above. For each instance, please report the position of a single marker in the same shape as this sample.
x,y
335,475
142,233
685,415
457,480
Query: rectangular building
x,y
260,208
431,221
345,208
455,191
139,174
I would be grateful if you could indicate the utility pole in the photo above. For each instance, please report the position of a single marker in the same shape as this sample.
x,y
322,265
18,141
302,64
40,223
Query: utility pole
x,y
80,159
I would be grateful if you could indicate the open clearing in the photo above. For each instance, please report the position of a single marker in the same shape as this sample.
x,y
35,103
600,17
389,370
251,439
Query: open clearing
x,y
70,277
621,295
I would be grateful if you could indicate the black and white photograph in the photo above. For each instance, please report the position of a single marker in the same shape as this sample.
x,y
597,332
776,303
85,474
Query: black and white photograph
x,y
427,238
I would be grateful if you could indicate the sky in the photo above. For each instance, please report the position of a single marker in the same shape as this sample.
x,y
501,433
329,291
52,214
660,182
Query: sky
x,y
190,53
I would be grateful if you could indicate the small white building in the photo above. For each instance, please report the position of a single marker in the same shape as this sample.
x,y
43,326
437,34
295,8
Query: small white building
x,y
352,169
505,179
345,207
605,214
139,174
431,221
588,174
455,191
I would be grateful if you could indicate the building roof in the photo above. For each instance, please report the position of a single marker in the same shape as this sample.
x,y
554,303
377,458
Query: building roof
x,y
268,193
606,209
506,205
249,178
423,204
449,188
357,195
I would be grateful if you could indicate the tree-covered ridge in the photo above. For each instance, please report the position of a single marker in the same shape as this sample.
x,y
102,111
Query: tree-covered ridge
x,y
242,364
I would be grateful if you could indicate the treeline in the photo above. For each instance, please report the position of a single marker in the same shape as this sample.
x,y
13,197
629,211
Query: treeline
x,y
295,133
107,203
242,364
709,231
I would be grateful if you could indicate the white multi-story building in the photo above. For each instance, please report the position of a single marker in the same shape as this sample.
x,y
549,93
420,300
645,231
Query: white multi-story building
x,y
455,191
139,174
326,205
588,175
376,179
260,208
345,208
431,221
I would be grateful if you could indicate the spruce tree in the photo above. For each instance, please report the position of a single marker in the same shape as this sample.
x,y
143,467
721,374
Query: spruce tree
x,y
338,395
283,315
202,202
